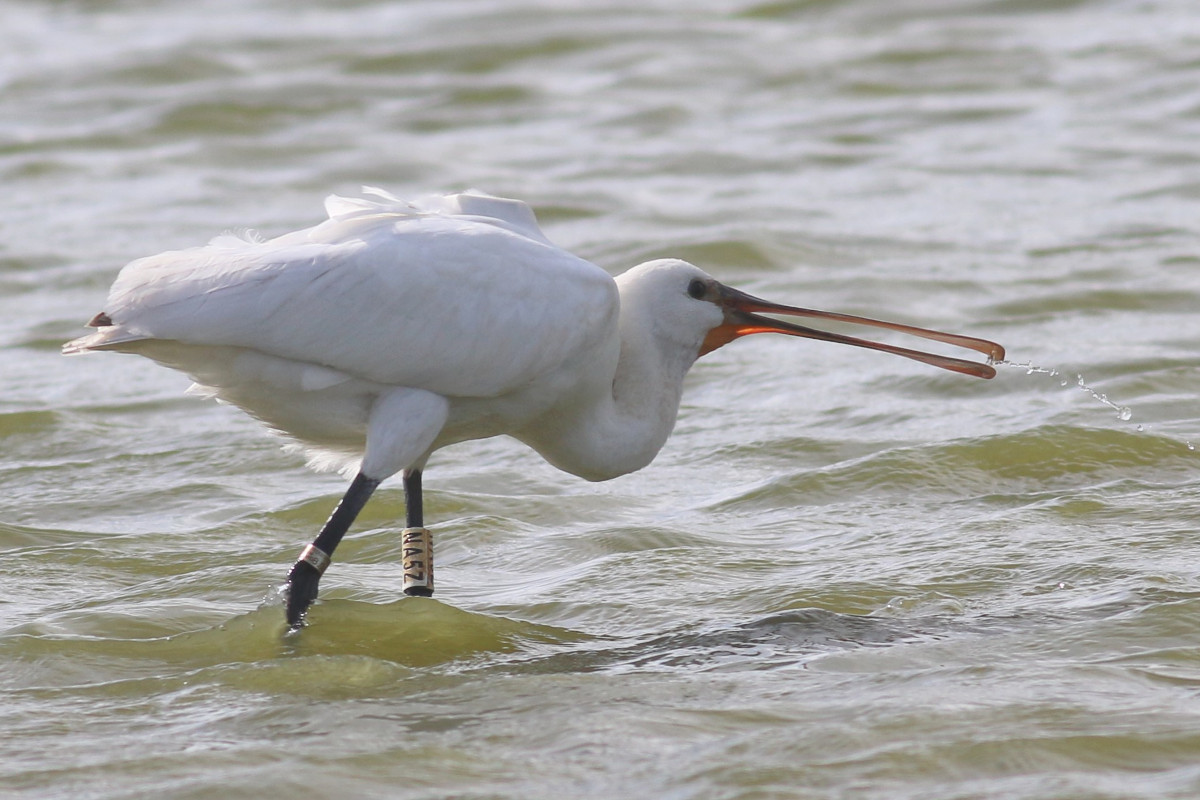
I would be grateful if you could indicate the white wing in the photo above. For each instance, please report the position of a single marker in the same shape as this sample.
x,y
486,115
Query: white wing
x,y
461,295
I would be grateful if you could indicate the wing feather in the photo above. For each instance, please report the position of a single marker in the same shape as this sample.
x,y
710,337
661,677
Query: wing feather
x,y
460,295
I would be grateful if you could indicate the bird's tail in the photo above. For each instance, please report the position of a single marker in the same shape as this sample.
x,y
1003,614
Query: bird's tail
x,y
108,336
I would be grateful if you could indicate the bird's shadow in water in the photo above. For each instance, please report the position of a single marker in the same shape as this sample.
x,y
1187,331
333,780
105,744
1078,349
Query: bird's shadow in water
x,y
778,640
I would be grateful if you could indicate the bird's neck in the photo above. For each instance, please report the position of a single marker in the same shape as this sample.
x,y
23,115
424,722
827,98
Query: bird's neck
x,y
620,428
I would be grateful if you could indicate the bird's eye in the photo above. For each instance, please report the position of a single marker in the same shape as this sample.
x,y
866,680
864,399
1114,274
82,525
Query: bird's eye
x,y
697,289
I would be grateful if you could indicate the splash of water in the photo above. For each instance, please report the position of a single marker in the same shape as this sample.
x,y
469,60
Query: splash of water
x,y
1124,413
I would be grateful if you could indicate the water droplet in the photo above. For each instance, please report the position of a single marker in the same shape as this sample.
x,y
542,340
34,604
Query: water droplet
x,y
1125,414
1141,429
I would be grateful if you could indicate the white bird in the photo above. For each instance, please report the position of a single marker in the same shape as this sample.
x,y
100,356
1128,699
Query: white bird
x,y
395,328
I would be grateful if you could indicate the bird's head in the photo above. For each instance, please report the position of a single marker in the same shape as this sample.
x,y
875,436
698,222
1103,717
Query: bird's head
x,y
690,305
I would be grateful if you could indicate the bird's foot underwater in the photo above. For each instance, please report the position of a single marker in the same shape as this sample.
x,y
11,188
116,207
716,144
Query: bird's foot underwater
x,y
299,592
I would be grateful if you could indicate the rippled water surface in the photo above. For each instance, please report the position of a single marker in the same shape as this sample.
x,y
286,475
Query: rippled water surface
x,y
847,575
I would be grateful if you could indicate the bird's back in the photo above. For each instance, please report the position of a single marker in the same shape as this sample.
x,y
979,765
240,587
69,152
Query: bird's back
x,y
461,295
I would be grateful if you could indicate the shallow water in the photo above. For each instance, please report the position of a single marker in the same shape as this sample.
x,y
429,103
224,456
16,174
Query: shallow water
x,y
846,575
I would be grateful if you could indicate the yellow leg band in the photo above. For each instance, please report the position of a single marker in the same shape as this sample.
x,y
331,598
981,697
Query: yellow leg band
x,y
417,561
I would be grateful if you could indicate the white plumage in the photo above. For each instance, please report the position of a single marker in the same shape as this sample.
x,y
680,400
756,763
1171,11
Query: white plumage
x,y
309,330
394,328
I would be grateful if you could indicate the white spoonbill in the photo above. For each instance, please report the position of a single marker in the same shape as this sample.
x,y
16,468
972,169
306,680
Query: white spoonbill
x,y
395,328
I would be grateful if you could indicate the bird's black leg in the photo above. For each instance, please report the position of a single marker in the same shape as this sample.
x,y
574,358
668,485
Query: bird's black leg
x,y
414,510
416,541
306,574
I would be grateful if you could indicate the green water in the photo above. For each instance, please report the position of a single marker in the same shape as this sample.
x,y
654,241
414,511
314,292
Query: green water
x,y
847,575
